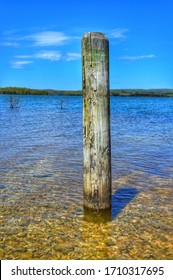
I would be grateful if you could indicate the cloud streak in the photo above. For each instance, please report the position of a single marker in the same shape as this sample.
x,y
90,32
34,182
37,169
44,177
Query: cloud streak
x,y
51,55
136,57
40,39
48,55
118,33
73,56
47,38
20,64
23,60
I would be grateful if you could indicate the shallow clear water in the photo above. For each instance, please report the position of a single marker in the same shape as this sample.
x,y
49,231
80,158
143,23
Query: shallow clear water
x,y
41,184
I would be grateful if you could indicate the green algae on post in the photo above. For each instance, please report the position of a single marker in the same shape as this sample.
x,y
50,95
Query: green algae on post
x,y
96,121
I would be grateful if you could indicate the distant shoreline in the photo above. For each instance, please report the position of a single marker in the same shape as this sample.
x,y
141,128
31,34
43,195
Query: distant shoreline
x,y
113,92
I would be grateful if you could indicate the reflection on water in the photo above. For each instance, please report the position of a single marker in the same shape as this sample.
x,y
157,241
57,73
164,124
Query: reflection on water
x,y
41,183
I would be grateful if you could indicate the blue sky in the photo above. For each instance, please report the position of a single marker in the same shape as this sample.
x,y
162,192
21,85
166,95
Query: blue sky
x,y
40,42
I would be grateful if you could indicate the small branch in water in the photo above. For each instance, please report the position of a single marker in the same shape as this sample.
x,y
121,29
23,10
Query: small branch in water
x,y
13,102
62,104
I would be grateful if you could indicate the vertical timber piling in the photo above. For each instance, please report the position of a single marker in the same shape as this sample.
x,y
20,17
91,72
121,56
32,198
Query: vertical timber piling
x,y
96,122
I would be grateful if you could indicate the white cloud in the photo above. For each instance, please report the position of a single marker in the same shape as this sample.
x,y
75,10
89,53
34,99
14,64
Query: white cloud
x,y
49,55
118,33
137,57
41,39
48,38
73,56
20,64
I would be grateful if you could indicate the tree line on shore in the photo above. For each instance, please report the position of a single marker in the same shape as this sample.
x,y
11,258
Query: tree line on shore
x,y
113,92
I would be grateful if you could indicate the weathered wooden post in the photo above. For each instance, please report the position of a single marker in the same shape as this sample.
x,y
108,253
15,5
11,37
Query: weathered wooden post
x,y
96,121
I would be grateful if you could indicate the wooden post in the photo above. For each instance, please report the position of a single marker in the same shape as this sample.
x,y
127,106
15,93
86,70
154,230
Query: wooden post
x,y
96,121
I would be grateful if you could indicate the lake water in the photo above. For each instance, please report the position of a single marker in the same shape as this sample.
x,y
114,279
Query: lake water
x,y
41,181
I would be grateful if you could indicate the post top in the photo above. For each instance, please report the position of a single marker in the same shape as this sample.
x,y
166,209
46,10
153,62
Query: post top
x,y
97,35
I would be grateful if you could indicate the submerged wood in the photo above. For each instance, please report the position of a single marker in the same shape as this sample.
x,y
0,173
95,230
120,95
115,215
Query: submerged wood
x,y
96,121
